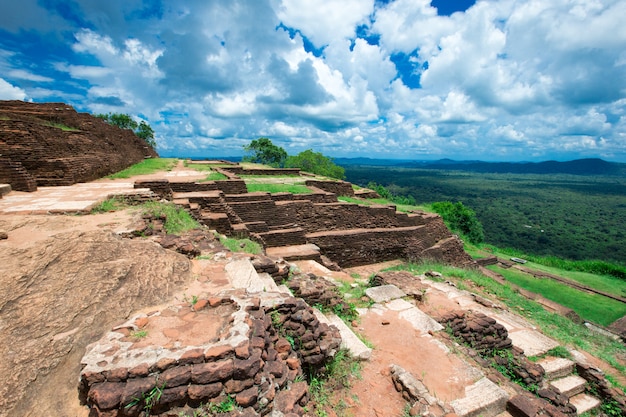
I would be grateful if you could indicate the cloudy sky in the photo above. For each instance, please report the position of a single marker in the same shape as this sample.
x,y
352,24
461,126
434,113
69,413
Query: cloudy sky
x,y
487,79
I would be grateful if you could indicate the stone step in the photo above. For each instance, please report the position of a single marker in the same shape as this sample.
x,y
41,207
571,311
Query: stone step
x,y
483,398
242,275
4,189
570,385
556,368
295,252
584,403
349,340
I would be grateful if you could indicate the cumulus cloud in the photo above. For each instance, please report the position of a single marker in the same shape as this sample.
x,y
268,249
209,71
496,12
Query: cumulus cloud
x,y
10,92
505,79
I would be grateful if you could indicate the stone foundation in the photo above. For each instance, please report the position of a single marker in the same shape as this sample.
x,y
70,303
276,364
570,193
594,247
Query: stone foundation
x,y
207,350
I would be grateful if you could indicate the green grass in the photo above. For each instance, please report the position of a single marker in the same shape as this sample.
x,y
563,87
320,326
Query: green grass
x,y
593,307
241,245
595,267
215,176
572,270
278,188
552,325
338,376
108,205
61,126
147,166
177,219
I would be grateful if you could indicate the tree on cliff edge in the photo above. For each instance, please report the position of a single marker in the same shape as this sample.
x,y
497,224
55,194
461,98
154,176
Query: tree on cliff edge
x,y
263,151
124,121
316,163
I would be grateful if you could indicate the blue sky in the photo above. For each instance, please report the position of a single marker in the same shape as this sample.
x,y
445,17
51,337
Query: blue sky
x,y
498,80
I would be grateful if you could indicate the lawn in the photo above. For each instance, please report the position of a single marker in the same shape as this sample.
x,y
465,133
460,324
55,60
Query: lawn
x,y
593,307
147,166
278,188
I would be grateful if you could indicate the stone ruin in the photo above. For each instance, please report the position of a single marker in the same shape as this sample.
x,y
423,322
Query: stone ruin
x,y
316,225
253,350
36,151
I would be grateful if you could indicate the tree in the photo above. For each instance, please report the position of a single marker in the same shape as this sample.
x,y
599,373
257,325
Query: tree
x,y
125,121
460,219
145,132
315,163
263,151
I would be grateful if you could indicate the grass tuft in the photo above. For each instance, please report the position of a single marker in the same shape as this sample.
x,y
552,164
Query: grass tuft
x,y
177,219
241,245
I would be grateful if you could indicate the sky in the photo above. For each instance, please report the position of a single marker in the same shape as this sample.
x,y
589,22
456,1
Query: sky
x,y
495,80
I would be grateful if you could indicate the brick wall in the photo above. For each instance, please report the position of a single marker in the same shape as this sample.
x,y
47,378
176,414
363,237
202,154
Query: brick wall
x,y
255,364
54,156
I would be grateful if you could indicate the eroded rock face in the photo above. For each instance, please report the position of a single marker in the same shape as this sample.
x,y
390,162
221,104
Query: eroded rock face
x,y
57,297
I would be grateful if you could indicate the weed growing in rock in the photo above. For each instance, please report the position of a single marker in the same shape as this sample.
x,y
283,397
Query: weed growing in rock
x,y
138,334
108,205
148,399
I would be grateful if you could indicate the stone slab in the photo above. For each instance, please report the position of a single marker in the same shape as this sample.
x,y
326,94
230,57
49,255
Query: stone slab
x,y
584,403
384,293
398,305
5,189
556,367
420,321
483,398
570,385
242,275
532,342
349,340
294,252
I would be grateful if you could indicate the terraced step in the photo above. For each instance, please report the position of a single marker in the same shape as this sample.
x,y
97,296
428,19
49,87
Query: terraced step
x,y
584,403
295,252
570,385
556,368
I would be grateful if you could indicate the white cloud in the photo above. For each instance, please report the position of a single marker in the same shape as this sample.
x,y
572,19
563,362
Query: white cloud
x,y
505,75
10,92
325,21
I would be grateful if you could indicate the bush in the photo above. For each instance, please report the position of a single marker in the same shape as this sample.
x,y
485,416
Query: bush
x,y
460,219
316,163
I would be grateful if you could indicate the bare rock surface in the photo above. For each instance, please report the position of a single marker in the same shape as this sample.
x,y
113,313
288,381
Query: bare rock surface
x,y
58,291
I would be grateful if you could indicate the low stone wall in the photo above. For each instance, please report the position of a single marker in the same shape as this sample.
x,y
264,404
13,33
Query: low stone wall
x,y
165,188
336,187
283,237
188,187
238,170
160,187
256,360
363,246
477,330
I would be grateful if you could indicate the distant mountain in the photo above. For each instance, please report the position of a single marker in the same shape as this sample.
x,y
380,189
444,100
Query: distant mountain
x,y
590,166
